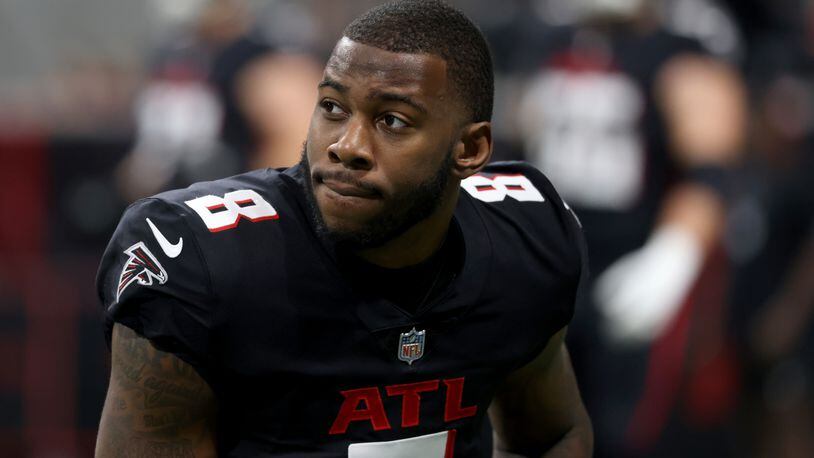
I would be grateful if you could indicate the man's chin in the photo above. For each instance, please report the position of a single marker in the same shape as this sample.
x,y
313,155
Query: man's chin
x,y
357,223
346,235
351,236
340,229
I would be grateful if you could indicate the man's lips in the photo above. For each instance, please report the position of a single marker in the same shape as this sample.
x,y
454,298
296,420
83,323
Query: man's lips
x,y
346,189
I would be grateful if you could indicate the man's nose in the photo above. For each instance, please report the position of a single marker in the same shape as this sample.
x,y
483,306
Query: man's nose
x,y
353,148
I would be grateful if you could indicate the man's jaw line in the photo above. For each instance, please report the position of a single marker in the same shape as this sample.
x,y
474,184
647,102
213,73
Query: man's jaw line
x,y
412,246
406,245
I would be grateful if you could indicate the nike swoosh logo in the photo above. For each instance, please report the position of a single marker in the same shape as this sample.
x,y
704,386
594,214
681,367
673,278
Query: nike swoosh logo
x,y
170,249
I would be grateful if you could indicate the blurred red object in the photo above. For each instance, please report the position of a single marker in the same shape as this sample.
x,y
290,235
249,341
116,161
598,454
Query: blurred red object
x,y
24,190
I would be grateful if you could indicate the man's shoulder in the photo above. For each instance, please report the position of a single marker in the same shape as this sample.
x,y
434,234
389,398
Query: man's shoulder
x,y
514,187
524,213
218,220
220,205
192,237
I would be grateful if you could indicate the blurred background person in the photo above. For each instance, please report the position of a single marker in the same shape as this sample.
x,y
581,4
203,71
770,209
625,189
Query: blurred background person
x,y
637,127
216,99
277,95
770,239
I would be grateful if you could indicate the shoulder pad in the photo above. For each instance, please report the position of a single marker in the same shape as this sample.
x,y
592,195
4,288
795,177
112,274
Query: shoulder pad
x,y
523,195
152,251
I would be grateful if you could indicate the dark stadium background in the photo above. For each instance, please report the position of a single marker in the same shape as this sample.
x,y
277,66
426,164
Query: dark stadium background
x,y
74,152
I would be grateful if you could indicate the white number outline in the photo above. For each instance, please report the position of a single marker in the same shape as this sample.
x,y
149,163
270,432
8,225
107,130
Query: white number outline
x,y
496,188
234,209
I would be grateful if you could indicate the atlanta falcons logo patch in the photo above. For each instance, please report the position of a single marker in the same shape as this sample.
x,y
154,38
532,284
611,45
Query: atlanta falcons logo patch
x,y
141,267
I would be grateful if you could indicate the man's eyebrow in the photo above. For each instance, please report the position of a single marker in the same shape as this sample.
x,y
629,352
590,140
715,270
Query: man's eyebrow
x,y
389,96
327,82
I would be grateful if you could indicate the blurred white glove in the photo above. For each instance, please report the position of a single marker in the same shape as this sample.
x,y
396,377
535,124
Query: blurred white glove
x,y
640,293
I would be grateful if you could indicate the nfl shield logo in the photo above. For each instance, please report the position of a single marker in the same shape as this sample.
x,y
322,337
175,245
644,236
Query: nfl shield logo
x,y
411,345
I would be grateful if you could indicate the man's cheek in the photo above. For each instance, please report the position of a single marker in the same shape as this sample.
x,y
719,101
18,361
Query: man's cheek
x,y
407,177
319,136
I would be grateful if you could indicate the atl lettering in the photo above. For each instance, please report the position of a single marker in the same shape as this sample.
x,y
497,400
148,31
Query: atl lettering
x,y
365,404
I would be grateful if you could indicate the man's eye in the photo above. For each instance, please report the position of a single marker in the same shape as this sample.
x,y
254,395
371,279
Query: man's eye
x,y
331,107
393,122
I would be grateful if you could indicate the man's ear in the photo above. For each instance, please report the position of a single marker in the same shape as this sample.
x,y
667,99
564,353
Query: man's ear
x,y
473,149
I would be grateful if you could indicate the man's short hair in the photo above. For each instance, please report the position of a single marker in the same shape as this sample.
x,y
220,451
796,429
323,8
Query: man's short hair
x,y
433,27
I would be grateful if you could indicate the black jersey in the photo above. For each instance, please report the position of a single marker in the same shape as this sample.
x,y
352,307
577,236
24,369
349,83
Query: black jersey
x,y
231,277
592,124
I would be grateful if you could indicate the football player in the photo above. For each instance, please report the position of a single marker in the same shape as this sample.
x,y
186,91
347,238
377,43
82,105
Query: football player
x,y
390,296
639,129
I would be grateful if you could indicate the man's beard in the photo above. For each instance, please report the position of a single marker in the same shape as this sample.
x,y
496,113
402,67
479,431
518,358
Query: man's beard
x,y
403,210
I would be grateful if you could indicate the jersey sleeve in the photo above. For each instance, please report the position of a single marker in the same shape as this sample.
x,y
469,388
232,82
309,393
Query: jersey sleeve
x,y
530,199
574,256
154,280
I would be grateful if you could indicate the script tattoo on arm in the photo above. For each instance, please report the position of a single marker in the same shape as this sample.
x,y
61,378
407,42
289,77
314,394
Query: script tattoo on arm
x,y
157,405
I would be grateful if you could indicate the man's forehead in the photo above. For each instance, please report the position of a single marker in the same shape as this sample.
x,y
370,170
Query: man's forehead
x,y
353,59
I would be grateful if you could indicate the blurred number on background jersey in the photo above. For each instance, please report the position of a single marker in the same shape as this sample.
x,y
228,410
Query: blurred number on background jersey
x,y
221,213
498,187
583,131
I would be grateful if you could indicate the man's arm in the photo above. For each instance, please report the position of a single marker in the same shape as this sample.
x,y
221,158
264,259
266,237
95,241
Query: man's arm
x,y
704,107
538,410
156,405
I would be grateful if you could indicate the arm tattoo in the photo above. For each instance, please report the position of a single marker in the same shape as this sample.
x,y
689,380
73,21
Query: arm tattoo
x,y
157,405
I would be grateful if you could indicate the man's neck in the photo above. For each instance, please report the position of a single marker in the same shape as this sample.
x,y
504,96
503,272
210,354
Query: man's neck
x,y
416,244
